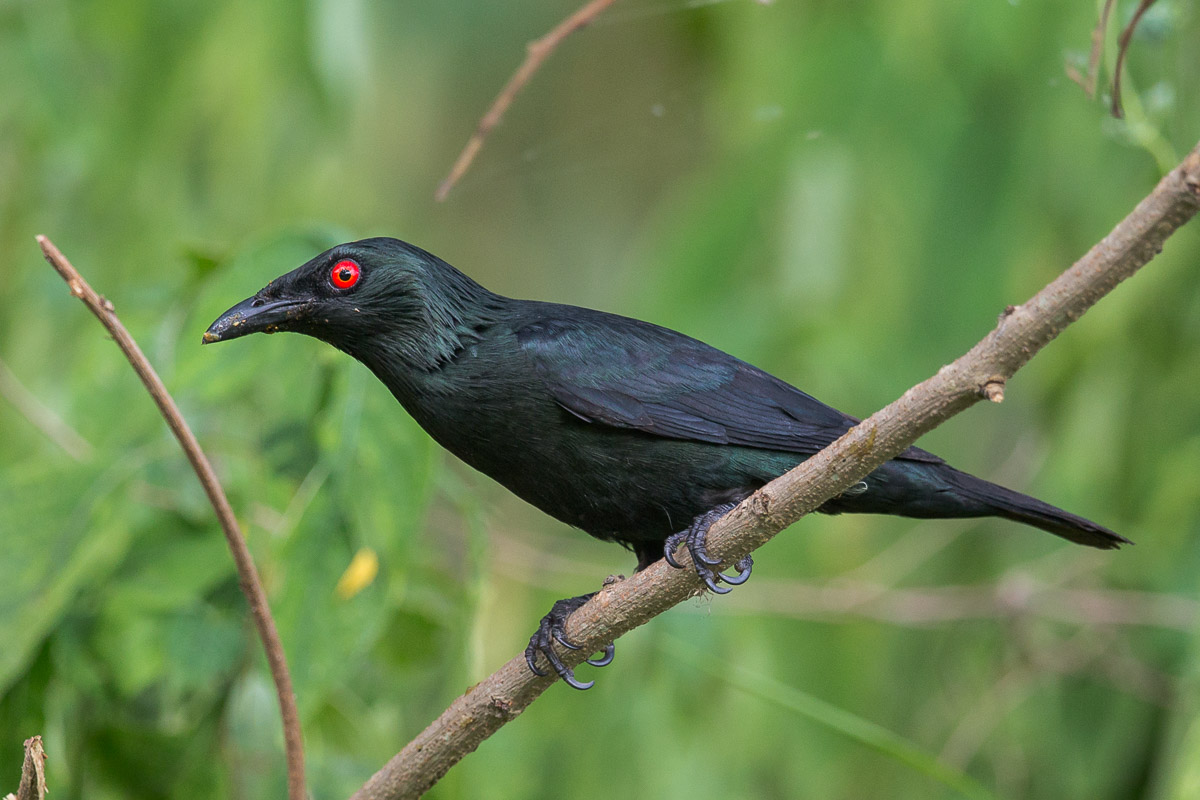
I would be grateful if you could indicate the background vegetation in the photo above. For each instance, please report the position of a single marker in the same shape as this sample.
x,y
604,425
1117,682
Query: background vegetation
x,y
843,193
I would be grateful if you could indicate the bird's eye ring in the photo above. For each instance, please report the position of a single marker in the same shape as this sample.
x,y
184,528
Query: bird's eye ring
x,y
344,274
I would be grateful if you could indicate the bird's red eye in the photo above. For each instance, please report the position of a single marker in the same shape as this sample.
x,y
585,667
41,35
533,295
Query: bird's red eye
x,y
344,274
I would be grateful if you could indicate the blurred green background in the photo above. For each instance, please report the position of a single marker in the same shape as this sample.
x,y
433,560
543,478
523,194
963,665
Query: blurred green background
x,y
844,193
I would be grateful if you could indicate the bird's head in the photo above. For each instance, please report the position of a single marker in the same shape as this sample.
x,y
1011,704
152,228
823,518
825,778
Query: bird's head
x,y
375,299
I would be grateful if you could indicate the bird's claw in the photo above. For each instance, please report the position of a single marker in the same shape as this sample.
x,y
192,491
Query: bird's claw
x,y
671,545
743,568
552,629
604,660
694,539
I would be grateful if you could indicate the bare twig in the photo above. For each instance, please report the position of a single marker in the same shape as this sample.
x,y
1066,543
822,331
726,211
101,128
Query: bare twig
x,y
42,418
1122,49
247,574
624,605
33,772
1098,47
537,52
1088,82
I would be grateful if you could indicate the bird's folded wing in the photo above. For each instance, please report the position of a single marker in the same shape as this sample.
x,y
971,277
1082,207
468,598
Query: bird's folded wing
x,y
628,374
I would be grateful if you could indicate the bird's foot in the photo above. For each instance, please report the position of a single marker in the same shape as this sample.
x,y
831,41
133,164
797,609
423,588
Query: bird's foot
x,y
552,629
694,539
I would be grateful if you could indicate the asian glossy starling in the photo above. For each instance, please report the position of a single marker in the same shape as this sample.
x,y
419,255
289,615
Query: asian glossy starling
x,y
629,431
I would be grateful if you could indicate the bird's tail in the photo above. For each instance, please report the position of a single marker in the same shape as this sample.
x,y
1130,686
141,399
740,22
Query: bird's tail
x,y
1001,502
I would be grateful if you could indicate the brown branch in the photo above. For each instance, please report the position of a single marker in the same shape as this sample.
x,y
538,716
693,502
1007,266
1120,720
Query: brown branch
x,y
1122,49
247,574
622,606
1088,82
537,52
33,772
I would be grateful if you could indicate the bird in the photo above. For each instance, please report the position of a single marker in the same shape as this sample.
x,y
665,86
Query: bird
x,y
631,432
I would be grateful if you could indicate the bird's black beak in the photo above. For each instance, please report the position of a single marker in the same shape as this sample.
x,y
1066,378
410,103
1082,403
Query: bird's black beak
x,y
255,315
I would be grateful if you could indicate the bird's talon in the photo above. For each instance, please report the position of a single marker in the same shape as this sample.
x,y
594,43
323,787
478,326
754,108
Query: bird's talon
x,y
712,586
561,638
604,660
671,545
693,538
743,568
552,630
569,677
531,660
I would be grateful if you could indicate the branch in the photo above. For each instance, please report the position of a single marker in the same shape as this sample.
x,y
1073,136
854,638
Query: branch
x,y
247,574
1122,49
1088,82
537,52
33,772
983,371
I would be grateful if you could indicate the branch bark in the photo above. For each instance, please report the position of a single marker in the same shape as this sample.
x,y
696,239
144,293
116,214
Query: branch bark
x,y
33,772
251,585
983,372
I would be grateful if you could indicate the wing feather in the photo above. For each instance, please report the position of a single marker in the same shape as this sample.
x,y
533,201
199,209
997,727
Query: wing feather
x,y
625,373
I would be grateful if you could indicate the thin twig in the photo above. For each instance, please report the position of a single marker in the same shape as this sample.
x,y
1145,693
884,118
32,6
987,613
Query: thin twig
x,y
1088,82
41,417
624,605
247,574
1122,49
537,52
1098,47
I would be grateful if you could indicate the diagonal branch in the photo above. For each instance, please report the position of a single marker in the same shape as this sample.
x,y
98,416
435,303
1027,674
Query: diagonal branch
x,y
247,574
982,372
537,52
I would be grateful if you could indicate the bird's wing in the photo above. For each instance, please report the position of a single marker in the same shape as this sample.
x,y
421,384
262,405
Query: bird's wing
x,y
629,374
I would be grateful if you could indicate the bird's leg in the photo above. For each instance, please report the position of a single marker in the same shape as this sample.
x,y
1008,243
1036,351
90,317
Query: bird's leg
x,y
552,629
694,538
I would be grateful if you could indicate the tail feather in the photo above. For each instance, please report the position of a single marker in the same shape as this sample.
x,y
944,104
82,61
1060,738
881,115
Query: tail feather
x,y
1018,507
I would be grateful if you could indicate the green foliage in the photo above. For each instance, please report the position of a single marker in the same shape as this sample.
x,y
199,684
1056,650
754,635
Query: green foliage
x,y
843,193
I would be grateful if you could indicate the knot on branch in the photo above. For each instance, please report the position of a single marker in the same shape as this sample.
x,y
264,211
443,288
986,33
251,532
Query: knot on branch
x,y
502,708
759,504
993,390
1191,173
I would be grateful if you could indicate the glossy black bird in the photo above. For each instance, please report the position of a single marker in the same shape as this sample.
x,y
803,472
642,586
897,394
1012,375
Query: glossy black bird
x,y
634,433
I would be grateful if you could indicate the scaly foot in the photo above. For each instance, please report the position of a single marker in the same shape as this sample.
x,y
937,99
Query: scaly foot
x,y
694,538
552,629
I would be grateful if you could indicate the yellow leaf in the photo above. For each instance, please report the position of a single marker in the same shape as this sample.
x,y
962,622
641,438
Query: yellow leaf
x,y
359,575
